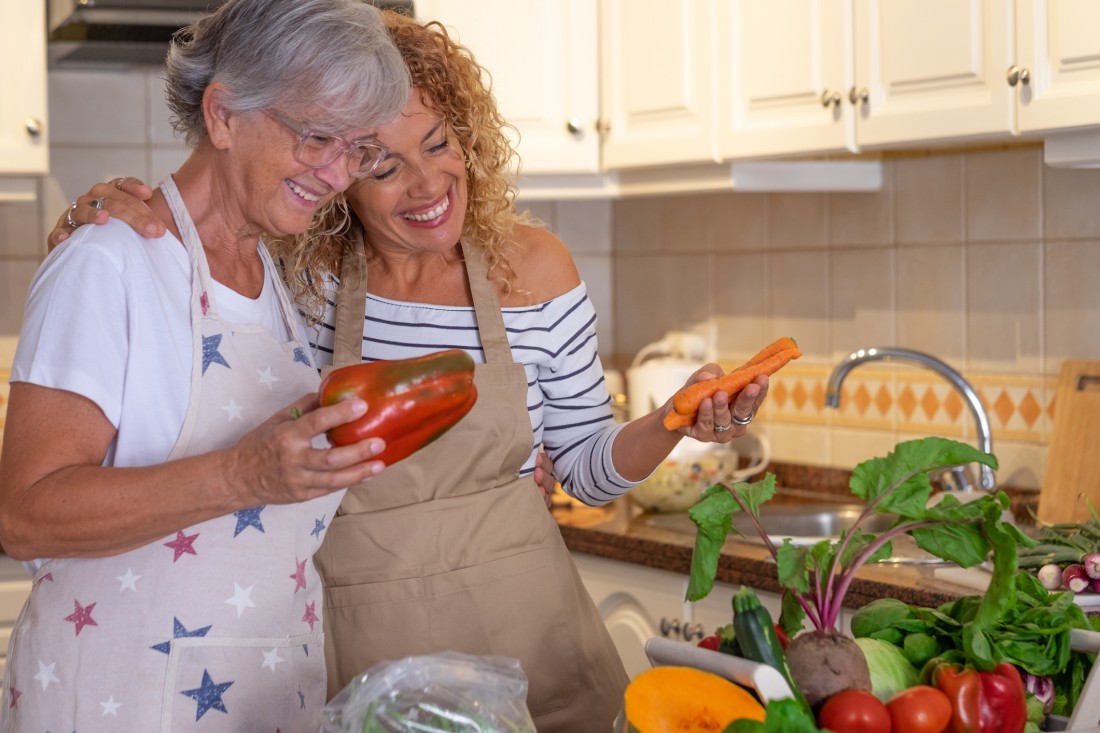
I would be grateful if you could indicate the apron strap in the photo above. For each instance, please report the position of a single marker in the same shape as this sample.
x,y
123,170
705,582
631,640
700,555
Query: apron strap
x,y
351,308
490,318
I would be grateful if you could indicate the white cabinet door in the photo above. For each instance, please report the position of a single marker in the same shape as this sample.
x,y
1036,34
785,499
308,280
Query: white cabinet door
x,y
931,70
542,59
656,66
1058,64
23,141
784,70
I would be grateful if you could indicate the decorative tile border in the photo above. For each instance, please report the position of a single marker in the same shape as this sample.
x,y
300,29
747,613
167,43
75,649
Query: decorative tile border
x,y
889,397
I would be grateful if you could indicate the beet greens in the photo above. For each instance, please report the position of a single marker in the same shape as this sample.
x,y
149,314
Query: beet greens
x,y
816,578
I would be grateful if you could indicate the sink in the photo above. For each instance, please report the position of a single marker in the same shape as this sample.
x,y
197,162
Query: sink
x,y
804,523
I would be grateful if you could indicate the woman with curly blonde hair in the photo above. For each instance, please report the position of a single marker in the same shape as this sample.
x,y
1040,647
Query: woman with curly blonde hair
x,y
452,549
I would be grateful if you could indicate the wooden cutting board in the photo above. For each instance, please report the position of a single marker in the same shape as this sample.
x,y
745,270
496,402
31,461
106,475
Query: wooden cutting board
x,y
1073,456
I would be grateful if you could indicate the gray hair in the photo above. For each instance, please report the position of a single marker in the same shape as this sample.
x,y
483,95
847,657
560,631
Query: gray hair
x,y
335,56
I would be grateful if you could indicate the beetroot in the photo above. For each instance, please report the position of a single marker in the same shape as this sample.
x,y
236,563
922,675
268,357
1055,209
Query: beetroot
x,y
824,662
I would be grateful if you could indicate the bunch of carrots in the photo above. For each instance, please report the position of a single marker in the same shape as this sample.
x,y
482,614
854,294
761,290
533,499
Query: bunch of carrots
x,y
768,361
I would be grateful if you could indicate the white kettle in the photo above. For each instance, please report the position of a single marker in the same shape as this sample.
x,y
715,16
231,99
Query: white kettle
x,y
660,369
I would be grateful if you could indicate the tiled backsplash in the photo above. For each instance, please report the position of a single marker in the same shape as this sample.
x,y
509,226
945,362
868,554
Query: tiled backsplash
x,y
986,259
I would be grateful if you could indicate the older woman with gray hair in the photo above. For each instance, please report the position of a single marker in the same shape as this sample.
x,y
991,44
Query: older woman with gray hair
x,y
162,470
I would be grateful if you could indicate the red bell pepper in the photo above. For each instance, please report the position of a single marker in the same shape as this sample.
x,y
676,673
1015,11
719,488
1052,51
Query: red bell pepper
x,y
410,402
983,702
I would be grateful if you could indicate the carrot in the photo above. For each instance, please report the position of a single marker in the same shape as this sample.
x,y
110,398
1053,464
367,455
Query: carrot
x,y
767,361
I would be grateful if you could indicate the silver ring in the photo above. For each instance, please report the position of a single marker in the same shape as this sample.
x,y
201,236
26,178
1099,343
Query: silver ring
x,y
722,428
742,421
69,216
97,204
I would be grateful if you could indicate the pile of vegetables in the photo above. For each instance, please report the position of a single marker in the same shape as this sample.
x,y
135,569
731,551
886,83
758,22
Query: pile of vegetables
x,y
685,700
957,665
1067,556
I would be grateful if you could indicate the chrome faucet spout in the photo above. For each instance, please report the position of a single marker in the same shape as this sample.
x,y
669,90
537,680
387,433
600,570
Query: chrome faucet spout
x,y
890,353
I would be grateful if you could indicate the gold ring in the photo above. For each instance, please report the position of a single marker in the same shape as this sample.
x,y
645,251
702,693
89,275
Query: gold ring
x,y
117,182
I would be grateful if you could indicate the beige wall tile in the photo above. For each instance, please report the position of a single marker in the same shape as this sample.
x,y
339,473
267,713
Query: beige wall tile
x,y
740,221
1069,203
852,446
1004,194
1071,307
931,304
797,221
1019,464
637,225
97,107
659,293
929,199
742,295
595,271
864,218
15,280
800,301
1004,300
584,226
862,295
799,444
20,232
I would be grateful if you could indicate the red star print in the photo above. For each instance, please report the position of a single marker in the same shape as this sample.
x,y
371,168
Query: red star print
x,y
204,301
14,697
182,544
311,615
81,616
299,575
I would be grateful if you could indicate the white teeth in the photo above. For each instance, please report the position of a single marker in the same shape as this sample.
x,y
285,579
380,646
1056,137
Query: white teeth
x,y
311,197
432,214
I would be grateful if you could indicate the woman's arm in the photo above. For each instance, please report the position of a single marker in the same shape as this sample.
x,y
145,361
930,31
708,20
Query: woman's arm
x,y
58,500
123,198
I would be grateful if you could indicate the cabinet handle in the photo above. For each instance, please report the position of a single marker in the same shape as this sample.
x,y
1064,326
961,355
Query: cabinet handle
x,y
574,126
694,631
830,99
855,96
670,627
1018,75
603,127
33,126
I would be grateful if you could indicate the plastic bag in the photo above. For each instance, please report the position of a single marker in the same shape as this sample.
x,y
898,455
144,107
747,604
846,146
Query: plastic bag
x,y
435,693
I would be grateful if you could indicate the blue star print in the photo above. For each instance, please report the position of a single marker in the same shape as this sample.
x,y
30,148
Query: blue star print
x,y
300,355
210,353
208,696
179,631
249,518
318,526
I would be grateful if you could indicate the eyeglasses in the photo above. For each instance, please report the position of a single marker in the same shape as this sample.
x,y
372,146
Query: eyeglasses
x,y
318,149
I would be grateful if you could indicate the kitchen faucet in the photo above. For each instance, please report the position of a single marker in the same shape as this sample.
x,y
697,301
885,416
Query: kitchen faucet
x,y
889,353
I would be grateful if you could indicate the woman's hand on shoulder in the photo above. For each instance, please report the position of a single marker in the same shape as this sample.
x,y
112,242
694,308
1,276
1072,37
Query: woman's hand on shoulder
x,y
121,198
544,267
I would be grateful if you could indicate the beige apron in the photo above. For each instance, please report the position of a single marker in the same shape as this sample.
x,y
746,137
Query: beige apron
x,y
215,629
451,549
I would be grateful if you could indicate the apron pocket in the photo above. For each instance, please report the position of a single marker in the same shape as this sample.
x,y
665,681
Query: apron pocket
x,y
217,684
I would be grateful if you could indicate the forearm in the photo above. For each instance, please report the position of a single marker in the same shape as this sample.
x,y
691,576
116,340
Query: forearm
x,y
642,445
94,511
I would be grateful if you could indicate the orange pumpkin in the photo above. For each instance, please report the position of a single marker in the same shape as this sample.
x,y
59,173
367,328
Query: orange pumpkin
x,y
685,700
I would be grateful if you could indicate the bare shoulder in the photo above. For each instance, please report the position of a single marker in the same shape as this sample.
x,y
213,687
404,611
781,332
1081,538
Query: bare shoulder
x,y
544,268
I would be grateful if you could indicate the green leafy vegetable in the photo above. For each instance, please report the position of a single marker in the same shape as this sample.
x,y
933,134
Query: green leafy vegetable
x,y
890,671
780,716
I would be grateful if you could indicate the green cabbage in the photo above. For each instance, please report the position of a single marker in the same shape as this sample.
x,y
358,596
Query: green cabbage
x,y
890,671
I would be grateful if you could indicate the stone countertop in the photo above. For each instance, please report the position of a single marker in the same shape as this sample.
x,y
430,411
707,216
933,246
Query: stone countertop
x,y
622,531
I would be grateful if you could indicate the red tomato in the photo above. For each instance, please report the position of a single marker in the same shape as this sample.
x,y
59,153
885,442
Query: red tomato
x,y
920,709
710,642
854,711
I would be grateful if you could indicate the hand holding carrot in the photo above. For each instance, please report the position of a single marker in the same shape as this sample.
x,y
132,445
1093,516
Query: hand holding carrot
x,y
767,361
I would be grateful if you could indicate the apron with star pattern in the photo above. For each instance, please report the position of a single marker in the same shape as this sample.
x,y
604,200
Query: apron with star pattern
x,y
216,628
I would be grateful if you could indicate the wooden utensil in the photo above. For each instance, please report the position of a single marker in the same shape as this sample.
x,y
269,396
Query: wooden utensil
x,y
1073,457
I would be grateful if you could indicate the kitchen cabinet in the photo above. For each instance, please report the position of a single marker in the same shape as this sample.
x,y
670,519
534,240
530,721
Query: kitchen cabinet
x,y
656,71
828,76
23,137
542,61
638,602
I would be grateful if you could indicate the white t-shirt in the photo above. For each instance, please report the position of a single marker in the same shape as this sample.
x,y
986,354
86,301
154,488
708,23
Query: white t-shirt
x,y
109,318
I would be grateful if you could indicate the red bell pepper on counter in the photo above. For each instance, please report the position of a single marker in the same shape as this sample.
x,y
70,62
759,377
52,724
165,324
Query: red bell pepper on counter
x,y
983,702
410,402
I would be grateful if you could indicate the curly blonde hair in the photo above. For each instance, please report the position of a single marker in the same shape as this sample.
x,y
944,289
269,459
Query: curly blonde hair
x,y
452,84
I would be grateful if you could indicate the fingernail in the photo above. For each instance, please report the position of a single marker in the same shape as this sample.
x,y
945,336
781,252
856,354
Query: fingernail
x,y
358,407
151,229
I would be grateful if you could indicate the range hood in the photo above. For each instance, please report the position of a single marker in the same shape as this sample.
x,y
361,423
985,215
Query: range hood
x,y
89,33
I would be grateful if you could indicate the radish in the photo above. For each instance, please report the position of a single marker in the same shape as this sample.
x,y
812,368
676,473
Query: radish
x,y
1091,562
1074,578
1050,575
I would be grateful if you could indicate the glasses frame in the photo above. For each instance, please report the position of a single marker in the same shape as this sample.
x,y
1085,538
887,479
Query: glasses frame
x,y
304,133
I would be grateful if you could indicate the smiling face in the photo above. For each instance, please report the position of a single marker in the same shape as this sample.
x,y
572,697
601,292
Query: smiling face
x,y
415,201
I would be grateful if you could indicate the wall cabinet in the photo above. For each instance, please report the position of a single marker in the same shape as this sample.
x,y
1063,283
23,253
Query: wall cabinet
x,y
543,64
23,137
